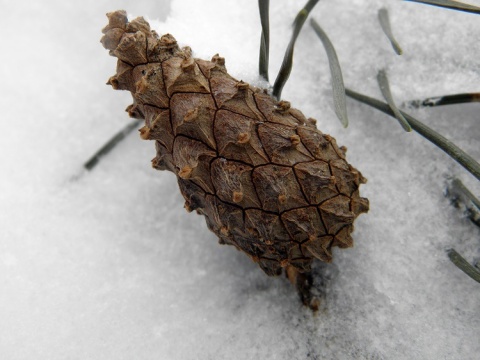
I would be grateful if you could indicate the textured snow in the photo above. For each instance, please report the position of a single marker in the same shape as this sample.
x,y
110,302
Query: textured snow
x,y
108,265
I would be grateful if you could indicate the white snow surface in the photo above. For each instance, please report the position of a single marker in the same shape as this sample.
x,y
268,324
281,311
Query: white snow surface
x,y
108,265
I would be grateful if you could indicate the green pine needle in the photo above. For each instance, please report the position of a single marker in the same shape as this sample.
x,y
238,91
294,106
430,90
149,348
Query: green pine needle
x,y
443,143
263,6
105,149
446,100
339,98
387,29
287,63
459,194
448,4
467,195
463,265
385,88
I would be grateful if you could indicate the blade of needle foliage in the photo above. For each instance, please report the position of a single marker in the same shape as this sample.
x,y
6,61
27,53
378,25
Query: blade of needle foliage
x,y
387,29
446,100
105,149
263,6
463,265
339,98
443,143
459,194
460,189
453,5
287,63
385,88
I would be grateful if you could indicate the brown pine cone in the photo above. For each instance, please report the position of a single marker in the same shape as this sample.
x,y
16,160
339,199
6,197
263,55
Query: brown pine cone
x,y
267,181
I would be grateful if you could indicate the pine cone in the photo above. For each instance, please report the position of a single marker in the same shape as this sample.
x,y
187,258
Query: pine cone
x,y
267,181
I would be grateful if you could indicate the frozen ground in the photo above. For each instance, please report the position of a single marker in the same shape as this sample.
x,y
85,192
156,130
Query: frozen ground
x,y
108,265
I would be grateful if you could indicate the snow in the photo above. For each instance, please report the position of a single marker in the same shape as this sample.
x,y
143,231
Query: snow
x,y
108,265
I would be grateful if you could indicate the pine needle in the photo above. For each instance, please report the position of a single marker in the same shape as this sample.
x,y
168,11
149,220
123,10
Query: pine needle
x,y
263,6
446,100
105,149
469,163
467,195
460,195
287,63
387,29
448,4
339,98
463,265
385,88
